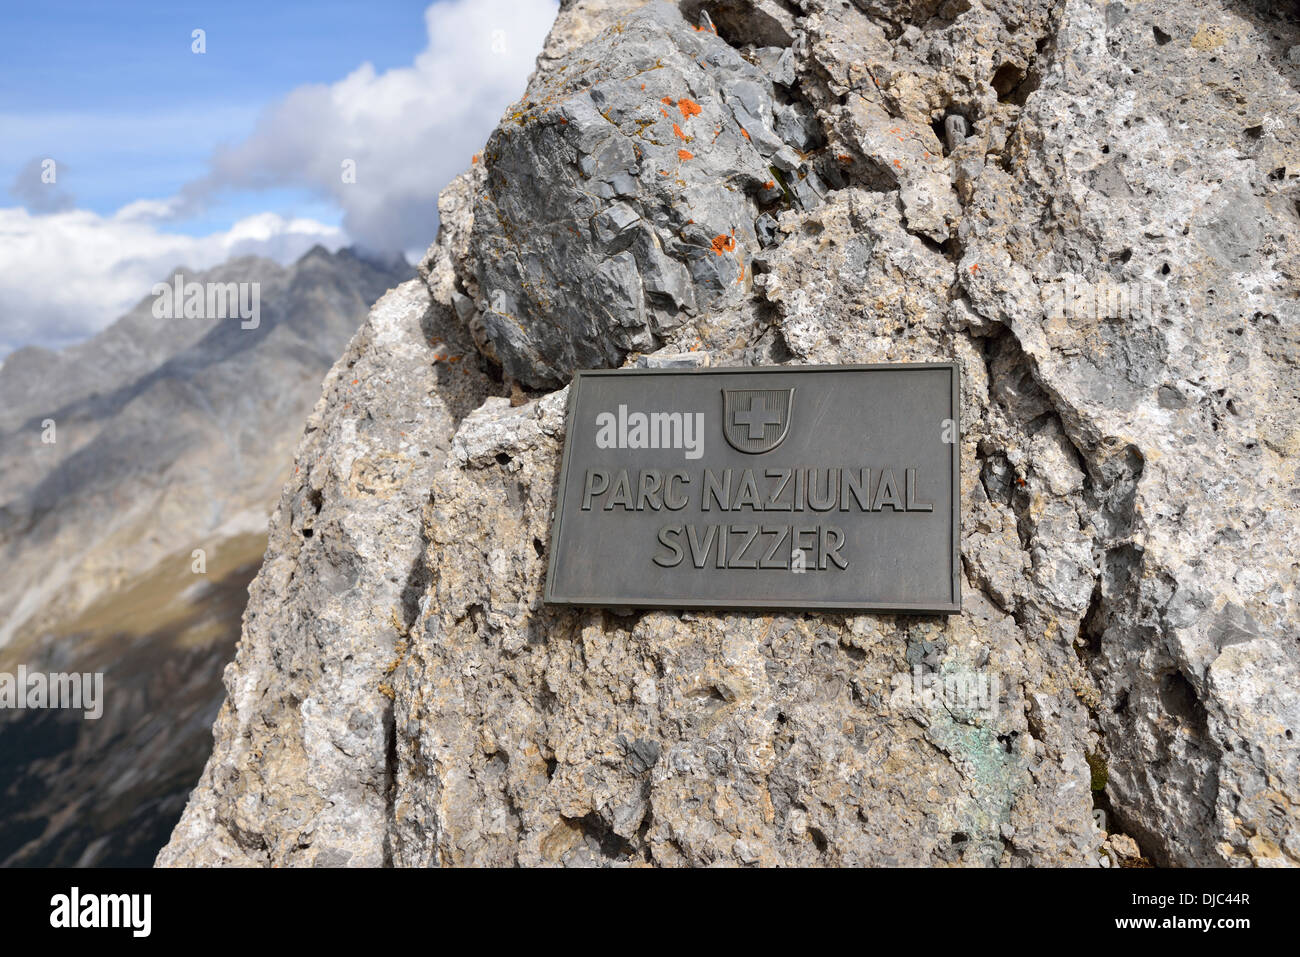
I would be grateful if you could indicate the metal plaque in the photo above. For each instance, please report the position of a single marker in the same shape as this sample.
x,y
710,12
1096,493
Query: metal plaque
x,y
831,487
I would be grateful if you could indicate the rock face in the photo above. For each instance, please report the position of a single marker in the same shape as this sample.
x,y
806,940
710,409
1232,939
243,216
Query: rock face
x,y
1093,208
309,705
619,198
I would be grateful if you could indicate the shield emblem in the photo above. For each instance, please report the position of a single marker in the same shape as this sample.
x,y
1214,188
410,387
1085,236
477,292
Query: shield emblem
x,y
756,420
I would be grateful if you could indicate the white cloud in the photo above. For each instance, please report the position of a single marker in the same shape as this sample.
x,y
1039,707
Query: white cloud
x,y
408,130
65,276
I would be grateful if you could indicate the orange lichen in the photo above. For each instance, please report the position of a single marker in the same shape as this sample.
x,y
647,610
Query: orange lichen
x,y
975,268
685,155
744,132
723,244
668,100
689,108
898,164
844,158
677,132
770,184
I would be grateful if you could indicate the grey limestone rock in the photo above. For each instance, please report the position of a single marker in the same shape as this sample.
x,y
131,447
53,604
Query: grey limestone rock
x,y
1129,463
618,197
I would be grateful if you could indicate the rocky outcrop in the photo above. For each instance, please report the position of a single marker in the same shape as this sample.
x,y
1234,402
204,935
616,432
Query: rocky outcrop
x,y
1092,208
620,198
310,692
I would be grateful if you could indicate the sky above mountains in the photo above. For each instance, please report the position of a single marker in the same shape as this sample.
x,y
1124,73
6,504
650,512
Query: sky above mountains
x,y
130,144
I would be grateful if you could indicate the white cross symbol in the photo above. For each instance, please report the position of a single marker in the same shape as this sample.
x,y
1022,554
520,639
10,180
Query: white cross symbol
x,y
758,418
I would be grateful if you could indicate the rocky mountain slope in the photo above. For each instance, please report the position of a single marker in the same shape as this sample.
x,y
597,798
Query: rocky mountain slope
x,y
169,436
817,181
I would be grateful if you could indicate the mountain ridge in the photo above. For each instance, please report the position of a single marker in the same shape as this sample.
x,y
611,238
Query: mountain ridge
x,y
126,545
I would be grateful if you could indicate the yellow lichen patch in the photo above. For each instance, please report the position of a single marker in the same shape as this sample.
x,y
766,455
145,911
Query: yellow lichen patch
x,y
1208,38
1262,849
560,840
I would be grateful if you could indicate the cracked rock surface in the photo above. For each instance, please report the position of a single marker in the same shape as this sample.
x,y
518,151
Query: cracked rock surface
x,y
1107,242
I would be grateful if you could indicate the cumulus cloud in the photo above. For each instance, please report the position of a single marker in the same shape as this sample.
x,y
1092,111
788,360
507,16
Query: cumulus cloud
x,y
64,276
67,273
406,132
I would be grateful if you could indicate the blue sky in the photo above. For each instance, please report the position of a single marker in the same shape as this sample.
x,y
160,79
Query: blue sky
x,y
114,92
165,157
